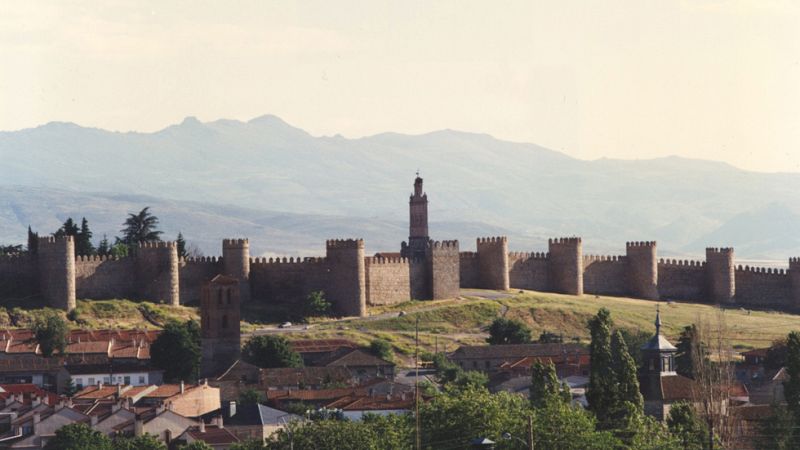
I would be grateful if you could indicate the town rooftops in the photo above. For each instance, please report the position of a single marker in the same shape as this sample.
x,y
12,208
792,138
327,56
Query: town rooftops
x,y
759,352
134,344
515,351
353,358
320,345
211,435
257,414
308,376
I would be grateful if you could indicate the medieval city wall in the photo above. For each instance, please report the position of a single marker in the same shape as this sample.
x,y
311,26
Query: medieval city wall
x,y
287,280
104,277
528,271
605,275
418,277
388,280
443,258
468,271
193,273
18,276
681,279
761,287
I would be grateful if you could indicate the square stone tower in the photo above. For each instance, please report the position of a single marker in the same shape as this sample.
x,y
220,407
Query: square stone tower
x,y
220,334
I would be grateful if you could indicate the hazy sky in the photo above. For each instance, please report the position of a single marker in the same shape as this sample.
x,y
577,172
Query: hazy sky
x,y
627,79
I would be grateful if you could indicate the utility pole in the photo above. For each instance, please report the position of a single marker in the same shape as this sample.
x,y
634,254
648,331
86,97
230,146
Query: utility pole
x,y
530,432
416,382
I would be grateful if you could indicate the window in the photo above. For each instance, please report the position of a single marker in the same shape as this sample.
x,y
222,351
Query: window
x,y
106,380
78,383
142,380
474,364
91,381
127,380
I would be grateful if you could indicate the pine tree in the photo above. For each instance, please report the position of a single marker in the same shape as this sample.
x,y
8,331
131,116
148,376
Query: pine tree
x,y
181,244
33,241
601,392
83,240
69,228
627,381
141,228
104,248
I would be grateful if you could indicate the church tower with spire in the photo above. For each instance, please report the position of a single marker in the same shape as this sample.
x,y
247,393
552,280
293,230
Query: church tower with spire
x,y
418,222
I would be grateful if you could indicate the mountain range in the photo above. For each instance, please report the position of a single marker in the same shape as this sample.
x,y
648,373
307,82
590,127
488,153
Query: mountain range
x,y
288,191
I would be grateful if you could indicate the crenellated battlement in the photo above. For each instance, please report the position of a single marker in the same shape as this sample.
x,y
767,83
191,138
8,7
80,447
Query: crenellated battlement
x,y
764,270
201,259
344,243
640,244
289,260
603,258
681,262
380,260
528,255
96,258
494,239
564,241
45,240
444,244
468,255
720,250
235,243
158,244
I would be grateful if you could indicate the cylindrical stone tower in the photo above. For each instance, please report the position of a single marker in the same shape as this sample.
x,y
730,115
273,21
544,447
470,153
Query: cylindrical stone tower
x,y
566,265
720,275
157,272
642,266
493,263
56,266
347,283
236,264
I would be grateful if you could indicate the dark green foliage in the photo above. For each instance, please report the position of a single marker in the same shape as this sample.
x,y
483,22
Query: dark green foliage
x,y
250,444
330,434
601,393
196,445
625,372
550,338
446,371
140,228
684,359
778,431
180,243
69,228
687,427
382,349
251,396
83,240
635,340
33,241
271,351
78,436
104,248
50,331
776,355
10,249
561,426
508,331
143,442
69,388
177,351
316,305
120,249
545,386
791,387
469,379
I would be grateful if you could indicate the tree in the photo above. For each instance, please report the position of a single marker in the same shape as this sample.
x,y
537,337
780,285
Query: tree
x,y
635,340
468,379
316,305
251,396
684,359
120,249
325,434
601,391
177,351
78,436
550,338
271,351
778,431
140,228
104,248
180,243
69,388
83,240
625,372
508,331
33,241
684,424
381,348
142,442
69,228
196,445
776,355
50,332
250,444
791,387
545,386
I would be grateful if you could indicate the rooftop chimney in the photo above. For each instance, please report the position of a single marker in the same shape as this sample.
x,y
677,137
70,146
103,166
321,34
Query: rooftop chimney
x,y
232,408
183,387
202,425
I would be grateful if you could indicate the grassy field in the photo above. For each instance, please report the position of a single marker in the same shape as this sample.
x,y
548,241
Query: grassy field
x,y
446,324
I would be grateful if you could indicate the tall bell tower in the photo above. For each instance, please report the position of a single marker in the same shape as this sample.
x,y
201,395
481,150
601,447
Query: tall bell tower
x,y
418,222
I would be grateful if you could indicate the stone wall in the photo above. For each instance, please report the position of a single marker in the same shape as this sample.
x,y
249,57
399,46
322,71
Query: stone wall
x,y
388,280
287,280
681,279
528,271
56,270
104,277
566,265
493,262
193,273
469,272
418,277
762,287
605,275
18,276
443,258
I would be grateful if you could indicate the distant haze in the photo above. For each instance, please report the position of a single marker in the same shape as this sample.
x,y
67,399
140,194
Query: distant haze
x,y
288,191
626,79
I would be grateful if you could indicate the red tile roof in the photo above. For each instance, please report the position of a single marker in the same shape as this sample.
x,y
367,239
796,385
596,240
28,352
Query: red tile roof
x,y
212,435
320,345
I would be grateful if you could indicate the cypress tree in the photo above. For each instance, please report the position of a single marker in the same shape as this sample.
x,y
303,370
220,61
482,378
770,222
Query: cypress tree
x,y
601,392
791,387
625,372
181,244
104,248
83,240
684,363
545,386
33,241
